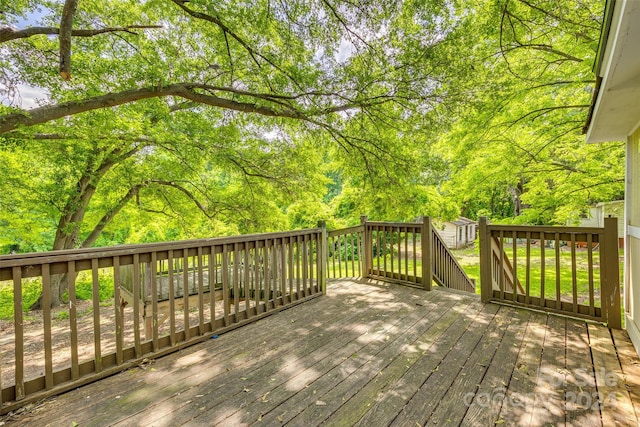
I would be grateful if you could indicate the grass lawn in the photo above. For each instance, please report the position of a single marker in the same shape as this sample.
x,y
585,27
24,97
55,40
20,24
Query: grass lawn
x,y
470,261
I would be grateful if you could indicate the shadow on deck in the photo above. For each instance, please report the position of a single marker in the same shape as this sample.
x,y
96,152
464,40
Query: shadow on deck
x,y
371,353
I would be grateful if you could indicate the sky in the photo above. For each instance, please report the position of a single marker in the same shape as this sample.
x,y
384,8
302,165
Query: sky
x,y
28,94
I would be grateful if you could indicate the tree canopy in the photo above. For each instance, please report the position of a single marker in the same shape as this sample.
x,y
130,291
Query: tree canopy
x,y
166,119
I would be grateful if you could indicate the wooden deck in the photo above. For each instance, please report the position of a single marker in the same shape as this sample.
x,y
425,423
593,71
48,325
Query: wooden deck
x,y
374,354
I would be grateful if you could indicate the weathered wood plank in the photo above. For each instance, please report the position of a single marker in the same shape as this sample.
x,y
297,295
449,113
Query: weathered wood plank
x,y
342,369
442,365
615,402
254,363
359,347
452,407
520,391
630,367
484,408
354,401
581,404
549,403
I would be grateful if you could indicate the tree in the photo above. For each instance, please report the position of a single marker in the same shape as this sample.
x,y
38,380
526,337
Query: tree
x,y
517,149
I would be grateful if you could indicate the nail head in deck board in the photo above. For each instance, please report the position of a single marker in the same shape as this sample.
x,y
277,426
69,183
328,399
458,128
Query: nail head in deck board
x,y
616,406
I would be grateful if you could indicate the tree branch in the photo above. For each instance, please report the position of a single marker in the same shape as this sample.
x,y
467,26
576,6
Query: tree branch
x,y
9,122
228,31
66,28
107,217
186,192
8,34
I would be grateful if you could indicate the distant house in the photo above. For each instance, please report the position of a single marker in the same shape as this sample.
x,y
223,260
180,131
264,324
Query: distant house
x,y
598,212
457,234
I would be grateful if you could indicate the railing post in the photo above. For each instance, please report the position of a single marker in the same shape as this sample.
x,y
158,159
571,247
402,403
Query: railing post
x,y
610,274
367,248
324,256
486,287
426,242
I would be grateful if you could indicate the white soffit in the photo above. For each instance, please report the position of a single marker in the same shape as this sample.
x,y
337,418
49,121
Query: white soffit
x,y
617,110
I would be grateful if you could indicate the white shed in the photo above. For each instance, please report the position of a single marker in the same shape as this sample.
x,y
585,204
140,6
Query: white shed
x,y
459,233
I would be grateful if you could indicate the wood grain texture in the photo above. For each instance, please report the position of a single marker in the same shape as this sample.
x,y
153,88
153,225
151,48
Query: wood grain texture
x,y
371,353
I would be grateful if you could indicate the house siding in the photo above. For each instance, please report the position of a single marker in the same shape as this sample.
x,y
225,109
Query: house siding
x,y
632,249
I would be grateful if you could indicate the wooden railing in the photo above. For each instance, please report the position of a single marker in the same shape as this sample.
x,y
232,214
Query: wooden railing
x,y
345,250
183,293
568,270
395,252
447,271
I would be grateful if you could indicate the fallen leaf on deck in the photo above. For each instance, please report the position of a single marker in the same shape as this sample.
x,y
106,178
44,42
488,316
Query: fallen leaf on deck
x,y
320,403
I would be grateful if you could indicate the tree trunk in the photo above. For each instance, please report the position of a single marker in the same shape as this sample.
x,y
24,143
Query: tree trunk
x,y
59,285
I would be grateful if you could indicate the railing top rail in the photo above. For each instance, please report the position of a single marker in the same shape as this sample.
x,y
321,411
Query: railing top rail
x,y
120,250
546,229
394,224
452,259
348,230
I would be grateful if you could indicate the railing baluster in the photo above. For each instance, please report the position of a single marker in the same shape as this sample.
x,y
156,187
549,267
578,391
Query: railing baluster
x,y
154,301
333,257
18,333
392,250
527,298
73,319
172,298
406,254
353,261
225,283
212,287
305,267
558,278
574,279
46,317
97,342
501,266
378,250
200,291
543,264
136,304
283,271
415,256
514,242
236,282
298,267
592,311
247,281
290,251
185,294
118,306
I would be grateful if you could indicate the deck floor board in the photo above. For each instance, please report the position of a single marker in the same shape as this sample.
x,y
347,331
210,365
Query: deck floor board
x,y
374,354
